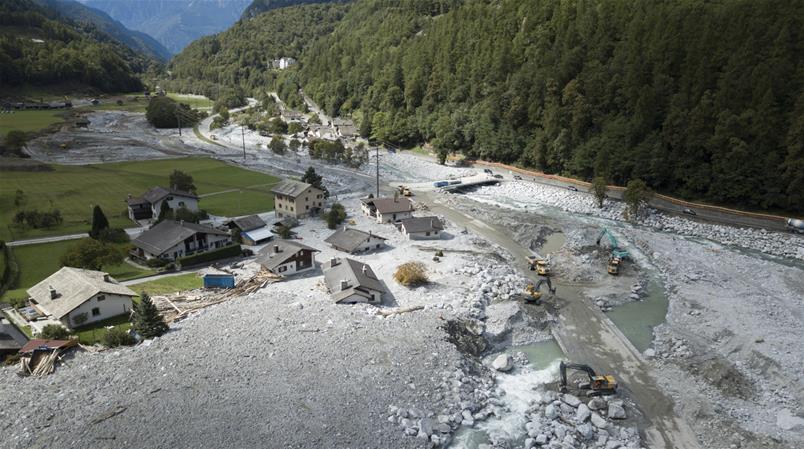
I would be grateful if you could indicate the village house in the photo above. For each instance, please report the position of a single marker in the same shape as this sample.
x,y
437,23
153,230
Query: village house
x,y
149,204
11,339
422,228
355,241
253,230
350,282
283,63
75,297
346,132
387,210
297,199
287,257
170,240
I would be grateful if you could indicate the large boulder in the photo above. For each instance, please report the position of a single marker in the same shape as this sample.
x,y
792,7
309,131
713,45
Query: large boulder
x,y
616,410
550,412
583,413
503,362
599,421
586,431
598,403
571,400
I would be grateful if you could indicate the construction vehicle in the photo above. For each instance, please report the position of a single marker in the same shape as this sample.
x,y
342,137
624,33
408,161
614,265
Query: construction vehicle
x,y
405,191
617,254
597,385
795,225
534,295
539,265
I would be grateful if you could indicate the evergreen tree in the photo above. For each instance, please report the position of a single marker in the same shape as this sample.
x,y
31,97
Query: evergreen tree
x,y
146,319
599,189
636,196
99,222
165,212
315,180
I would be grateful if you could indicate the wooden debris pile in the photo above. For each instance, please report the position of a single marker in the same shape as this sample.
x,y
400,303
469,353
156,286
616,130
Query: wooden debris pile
x,y
177,307
39,357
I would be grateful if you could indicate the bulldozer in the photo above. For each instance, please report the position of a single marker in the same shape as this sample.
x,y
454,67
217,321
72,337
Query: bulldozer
x,y
534,295
539,265
597,385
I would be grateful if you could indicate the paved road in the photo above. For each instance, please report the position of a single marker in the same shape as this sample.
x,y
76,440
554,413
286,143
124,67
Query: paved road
x,y
132,233
588,335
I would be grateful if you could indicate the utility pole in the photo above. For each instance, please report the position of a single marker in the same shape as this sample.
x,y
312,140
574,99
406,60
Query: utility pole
x,y
178,117
378,170
243,133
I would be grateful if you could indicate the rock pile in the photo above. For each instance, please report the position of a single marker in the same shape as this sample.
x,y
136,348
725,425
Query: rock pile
x,y
565,421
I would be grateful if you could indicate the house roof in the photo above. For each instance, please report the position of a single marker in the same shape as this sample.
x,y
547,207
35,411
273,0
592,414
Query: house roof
x,y
157,193
422,224
248,223
391,205
259,234
291,188
10,337
349,239
169,233
74,286
356,274
347,130
270,258
38,343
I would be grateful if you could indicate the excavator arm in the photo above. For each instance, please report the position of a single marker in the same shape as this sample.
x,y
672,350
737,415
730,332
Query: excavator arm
x,y
598,384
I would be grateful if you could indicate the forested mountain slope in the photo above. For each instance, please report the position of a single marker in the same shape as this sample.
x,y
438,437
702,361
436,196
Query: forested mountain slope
x,y
174,23
700,99
38,47
258,7
241,56
136,40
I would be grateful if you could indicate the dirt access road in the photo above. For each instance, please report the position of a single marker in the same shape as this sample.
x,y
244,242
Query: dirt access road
x,y
587,335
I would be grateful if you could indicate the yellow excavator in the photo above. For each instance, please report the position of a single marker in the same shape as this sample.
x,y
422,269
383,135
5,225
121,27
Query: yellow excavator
x,y
534,295
405,191
539,265
597,385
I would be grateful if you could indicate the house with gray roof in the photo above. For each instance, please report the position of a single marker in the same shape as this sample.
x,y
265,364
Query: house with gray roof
x,y
11,339
287,257
170,240
422,228
353,241
388,210
147,206
76,297
253,230
297,199
351,282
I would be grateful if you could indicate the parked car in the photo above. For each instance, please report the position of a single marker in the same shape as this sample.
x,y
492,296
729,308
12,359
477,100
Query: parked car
x,y
517,177
689,211
573,188
498,176
487,170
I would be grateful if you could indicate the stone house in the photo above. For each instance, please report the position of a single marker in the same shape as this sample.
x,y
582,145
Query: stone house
x,y
350,282
387,210
287,257
422,228
297,199
353,241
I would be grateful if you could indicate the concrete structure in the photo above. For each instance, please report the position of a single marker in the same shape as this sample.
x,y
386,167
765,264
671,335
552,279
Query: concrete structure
x,y
422,228
297,199
287,257
350,282
77,297
388,210
170,240
150,203
355,241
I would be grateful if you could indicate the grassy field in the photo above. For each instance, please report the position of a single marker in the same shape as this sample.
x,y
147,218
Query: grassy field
x,y
93,333
170,284
40,261
192,101
28,120
75,189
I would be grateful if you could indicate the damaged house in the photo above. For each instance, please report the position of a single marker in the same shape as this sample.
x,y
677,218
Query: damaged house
x,y
351,282
353,241
287,257
387,210
422,228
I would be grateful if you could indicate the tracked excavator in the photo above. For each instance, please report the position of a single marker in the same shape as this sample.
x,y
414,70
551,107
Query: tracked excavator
x,y
617,254
539,265
534,295
598,385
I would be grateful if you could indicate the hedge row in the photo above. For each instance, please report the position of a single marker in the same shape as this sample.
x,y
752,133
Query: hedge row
x,y
11,271
227,251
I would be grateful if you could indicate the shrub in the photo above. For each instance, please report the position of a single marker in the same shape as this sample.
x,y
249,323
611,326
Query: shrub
x,y
228,251
115,337
12,359
92,255
156,263
411,274
10,276
114,235
335,216
54,332
439,253
295,127
37,220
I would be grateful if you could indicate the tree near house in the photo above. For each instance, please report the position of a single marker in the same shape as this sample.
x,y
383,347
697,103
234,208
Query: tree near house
x,y
182,181
19,198
99,222
599,189
165,212
146,319
92,255
335,216
54,332
277,145
315,180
